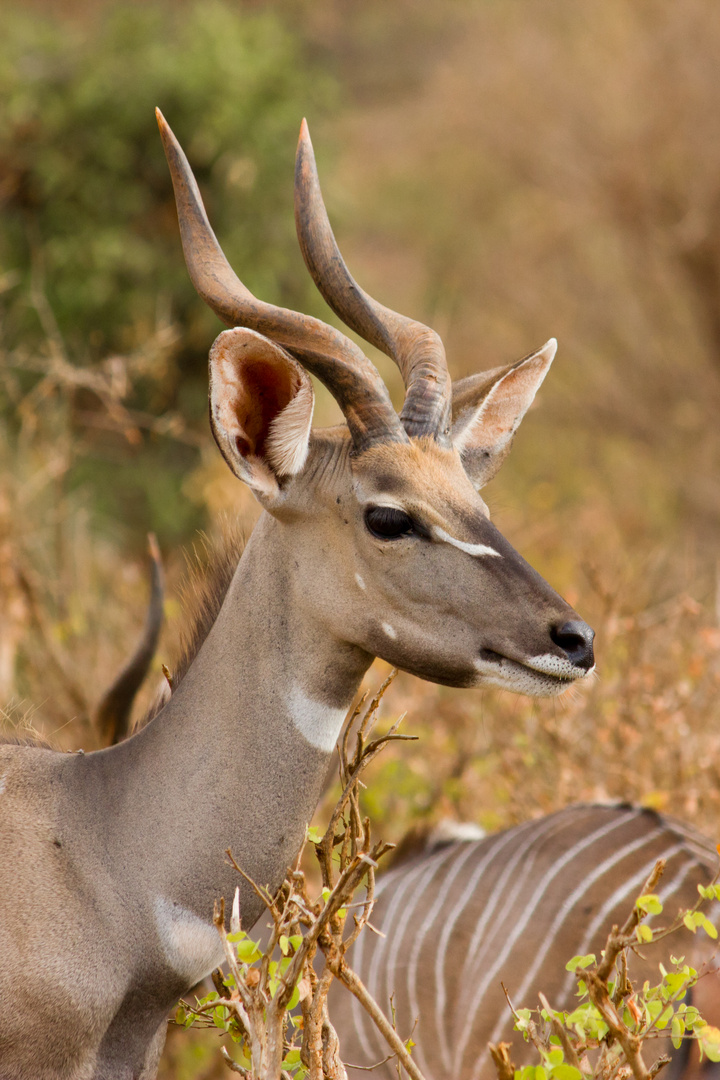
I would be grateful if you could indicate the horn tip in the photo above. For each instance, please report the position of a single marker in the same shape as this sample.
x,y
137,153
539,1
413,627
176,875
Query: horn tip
x,y
304,141
169,141
153,547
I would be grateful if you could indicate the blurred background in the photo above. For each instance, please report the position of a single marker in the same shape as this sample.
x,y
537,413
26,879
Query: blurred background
x,y
503,171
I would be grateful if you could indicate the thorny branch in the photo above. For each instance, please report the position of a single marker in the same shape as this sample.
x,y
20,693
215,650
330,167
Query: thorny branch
x,y
626,1021
255,998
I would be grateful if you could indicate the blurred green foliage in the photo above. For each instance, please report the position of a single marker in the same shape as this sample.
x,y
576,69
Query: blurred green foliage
x,y
90,257
85,186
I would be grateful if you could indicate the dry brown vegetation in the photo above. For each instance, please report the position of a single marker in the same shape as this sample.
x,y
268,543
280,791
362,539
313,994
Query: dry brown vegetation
x,y
507,172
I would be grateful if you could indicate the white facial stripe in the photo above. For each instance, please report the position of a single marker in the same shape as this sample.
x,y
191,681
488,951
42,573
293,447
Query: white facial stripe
x,y
319,724
389,630
360,581
191,946
469,549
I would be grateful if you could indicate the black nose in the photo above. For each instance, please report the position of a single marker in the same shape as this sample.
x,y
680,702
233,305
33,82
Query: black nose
x,y
575,638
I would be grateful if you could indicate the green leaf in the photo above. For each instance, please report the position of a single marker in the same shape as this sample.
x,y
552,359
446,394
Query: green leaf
x,y
566,1072
220,1017
248,952
284,944
643,933
709,1039
651,904
677,1031
664,1019
709,929
522,1019
580,962
313,834
653,1008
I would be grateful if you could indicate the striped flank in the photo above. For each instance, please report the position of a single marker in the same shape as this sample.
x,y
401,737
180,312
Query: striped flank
x,y
513,907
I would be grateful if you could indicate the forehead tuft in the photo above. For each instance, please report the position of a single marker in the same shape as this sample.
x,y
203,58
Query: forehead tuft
x,y
418,471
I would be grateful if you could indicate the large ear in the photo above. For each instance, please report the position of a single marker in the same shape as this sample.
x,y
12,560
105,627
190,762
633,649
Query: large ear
x,y
487,410
261,406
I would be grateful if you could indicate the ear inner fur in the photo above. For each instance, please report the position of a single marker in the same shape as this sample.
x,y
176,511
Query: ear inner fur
x,y
484,428
261,404
288,437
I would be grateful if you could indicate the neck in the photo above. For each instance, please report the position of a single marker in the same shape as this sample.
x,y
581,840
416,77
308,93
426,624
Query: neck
x,y
238,757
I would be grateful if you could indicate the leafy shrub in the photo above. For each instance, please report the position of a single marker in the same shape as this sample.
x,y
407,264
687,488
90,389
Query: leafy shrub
x,y
86,192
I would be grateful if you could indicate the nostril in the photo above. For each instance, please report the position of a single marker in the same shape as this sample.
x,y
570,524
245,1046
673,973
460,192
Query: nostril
x,y
575,638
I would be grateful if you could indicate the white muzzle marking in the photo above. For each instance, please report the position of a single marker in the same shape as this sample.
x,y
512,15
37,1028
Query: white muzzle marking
x,y
538,676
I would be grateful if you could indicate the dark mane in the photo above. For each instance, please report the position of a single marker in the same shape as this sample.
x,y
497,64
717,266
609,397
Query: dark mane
x,y
37,741
211,565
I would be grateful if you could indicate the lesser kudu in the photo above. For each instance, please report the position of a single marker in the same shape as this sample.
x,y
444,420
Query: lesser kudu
x,y
374,542
464,918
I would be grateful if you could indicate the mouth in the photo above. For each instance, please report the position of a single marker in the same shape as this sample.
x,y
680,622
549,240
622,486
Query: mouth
x,y
539,676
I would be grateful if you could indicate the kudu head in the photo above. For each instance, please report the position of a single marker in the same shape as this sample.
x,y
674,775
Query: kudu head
x,y
392,546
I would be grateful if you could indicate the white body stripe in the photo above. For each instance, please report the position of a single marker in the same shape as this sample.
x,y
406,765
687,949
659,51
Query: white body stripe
x,y
529,907
515,907
440,975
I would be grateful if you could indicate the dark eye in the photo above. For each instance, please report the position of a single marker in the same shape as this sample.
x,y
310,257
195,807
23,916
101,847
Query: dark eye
x,y
388,523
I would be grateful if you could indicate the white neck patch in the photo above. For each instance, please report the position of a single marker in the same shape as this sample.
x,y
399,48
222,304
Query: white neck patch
x,y
191,946
319,724
470,549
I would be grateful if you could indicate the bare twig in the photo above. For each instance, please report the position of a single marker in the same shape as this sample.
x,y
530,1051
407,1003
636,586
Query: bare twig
x,y
559,1030
620,939
500,1053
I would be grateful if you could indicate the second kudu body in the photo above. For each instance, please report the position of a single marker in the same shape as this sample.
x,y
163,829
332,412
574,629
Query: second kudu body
x,y
462,918
374,542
